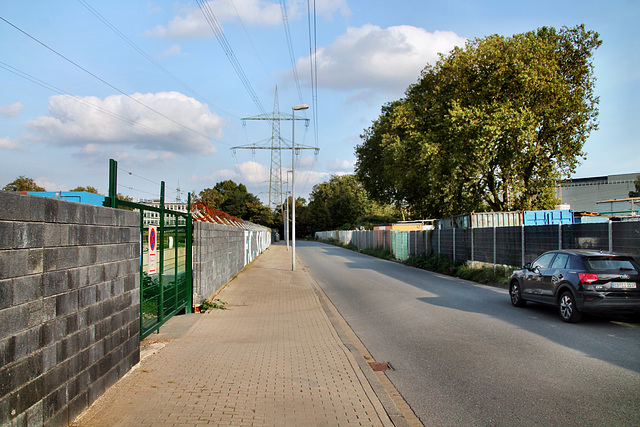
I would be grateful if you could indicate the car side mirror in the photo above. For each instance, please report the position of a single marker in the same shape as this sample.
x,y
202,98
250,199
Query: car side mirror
x,y
527,266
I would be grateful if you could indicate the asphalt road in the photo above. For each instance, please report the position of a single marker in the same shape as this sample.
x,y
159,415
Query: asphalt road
x,y
464,356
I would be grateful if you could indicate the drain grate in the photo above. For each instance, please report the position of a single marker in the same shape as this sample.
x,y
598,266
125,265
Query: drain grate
x,y
381,366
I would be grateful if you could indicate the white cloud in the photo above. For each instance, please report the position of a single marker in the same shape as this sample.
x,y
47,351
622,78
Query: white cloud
x,y
49,185
370,57
11,110
253,172
10,144
190,21
341,166
174,50
328,7
164,121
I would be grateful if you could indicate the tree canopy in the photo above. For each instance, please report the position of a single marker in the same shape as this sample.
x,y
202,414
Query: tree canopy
x,y
490,126
339,202
88,189
23,183
235,200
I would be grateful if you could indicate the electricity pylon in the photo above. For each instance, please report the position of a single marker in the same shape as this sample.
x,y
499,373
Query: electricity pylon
x,y
276,144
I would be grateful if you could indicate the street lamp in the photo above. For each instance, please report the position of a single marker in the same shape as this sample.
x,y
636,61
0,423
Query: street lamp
x,y
293,183
286,221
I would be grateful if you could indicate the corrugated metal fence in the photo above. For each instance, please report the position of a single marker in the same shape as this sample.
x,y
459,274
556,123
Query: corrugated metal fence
x,y
497,245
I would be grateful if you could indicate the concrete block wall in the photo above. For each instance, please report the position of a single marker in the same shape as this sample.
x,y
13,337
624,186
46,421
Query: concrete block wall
x,y
69,305
219,253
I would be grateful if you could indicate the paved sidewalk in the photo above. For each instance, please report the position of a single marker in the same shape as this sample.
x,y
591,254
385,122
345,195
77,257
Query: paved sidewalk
x,y
273,358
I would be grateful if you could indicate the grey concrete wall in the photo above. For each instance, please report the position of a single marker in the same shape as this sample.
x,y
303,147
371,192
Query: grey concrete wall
x,y
219,253
69,305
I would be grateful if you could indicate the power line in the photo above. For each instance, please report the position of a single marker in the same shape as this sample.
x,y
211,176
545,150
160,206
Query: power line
x,y
102,80
226,47
146,55
81,100
313,66
285,20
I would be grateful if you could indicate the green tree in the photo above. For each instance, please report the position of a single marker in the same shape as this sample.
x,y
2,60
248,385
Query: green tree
x,y
340,202
22,183
88,189
235,200
491,126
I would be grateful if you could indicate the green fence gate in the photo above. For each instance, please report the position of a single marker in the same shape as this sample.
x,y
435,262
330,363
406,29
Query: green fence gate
x,y
166,286
399,244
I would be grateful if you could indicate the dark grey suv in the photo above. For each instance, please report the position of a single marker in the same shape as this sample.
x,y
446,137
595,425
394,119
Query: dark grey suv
x,y
579,281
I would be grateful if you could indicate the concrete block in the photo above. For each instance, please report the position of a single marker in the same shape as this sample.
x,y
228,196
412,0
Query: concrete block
x,y
88,296
87,255
96,274
28,235
35,414
67,303
54,283
26,288
27,342
13,320
78,278
68,257
7,235
6,293
56,234
7,351
49,359
51,210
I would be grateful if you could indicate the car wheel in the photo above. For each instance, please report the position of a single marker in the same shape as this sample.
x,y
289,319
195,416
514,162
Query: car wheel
x,y
516,295
567,307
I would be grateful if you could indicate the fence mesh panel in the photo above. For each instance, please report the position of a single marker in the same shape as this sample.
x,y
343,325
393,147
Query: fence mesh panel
x,y
626,238
500,245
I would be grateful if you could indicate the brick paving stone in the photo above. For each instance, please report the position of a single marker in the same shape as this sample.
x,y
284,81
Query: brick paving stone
x,y
272,358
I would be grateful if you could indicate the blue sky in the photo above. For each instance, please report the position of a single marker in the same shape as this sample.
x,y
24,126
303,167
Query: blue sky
x,y
149,84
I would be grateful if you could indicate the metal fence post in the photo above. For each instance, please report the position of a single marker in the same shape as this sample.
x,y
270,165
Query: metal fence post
x,y
522,243
560,235
494,249
610,236
454,245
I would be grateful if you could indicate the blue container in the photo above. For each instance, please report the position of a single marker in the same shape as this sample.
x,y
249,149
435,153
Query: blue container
x,y
551,217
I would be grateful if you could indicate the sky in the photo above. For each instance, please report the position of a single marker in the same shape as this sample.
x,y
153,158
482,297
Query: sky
x,y
162,87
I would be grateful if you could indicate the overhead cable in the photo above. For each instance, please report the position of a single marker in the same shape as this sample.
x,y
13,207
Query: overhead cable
x,y
104,81
82,100
226,47
285,20
146,55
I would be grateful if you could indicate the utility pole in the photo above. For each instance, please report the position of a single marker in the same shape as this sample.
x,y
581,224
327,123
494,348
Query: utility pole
x,y
276,144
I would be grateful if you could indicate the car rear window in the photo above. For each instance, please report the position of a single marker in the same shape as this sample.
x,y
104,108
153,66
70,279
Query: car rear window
x,y
611,263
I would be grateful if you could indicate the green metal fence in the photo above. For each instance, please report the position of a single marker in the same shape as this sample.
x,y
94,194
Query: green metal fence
x,y
165,261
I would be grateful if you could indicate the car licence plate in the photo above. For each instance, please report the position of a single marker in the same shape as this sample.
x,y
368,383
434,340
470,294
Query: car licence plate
x,y
623,285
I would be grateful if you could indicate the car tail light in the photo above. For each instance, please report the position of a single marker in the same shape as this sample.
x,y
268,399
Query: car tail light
x,y
588,277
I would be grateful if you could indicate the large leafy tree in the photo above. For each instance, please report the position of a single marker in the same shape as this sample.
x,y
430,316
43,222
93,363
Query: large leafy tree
x,y
491,126
23,183
339,201
235,200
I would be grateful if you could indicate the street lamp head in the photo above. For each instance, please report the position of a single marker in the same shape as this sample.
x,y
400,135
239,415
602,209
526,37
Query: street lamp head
x,y
300,107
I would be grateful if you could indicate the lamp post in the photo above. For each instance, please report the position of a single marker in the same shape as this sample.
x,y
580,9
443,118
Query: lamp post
x,y
293,183
286,221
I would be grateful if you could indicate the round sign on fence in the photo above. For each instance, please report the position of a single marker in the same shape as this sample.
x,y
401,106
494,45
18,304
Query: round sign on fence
x,y
152,250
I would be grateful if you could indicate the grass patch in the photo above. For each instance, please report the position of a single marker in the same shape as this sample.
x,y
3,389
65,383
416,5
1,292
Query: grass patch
x,y
214,304
379,253
445,265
